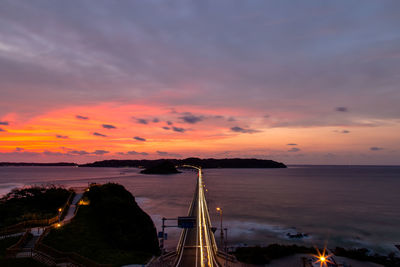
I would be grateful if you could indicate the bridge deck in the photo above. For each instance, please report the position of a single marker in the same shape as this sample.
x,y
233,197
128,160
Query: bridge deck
x,y
197,246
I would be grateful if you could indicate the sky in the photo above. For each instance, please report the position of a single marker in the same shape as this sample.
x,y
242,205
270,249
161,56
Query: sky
x,y
301,82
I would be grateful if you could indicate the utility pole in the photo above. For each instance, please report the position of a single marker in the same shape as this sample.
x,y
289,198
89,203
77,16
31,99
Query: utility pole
x,y
226,247
219,210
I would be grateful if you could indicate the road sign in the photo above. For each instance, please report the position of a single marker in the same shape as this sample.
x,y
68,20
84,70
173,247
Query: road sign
x,y
186,222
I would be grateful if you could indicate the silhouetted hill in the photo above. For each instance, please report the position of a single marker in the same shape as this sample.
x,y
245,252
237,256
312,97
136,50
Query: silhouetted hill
x,y
37,164
111,229
164,167
204,163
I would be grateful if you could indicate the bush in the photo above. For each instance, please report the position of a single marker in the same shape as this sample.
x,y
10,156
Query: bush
x,y
38,202
263,255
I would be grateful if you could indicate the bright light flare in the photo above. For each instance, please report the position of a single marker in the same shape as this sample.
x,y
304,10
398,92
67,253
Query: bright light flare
x,y
322,258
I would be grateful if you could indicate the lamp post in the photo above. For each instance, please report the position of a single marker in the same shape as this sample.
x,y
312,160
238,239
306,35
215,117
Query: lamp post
x,y
219,210
59,215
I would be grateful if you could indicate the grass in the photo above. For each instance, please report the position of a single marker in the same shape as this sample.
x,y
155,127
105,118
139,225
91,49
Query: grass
x,y
112,229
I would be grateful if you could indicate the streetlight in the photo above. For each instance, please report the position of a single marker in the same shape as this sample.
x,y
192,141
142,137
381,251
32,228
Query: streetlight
x,y
323,258
219,210
59,215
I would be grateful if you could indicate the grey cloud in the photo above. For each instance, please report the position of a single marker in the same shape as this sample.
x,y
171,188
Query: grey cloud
x,y
155,120
99,134
50,153
18,149
62,136
78,152
233,63
238,129
164,153
345,131
142,121
165,128
169,122
139,138
294,149
101,152
325,122
292,144
108,126
231,119
341,109
130,153
178,129
4,123
374,148
2,130
137,153
190,118
80,117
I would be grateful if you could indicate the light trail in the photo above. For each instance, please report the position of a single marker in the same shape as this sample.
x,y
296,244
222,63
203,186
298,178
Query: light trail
x,y
205,240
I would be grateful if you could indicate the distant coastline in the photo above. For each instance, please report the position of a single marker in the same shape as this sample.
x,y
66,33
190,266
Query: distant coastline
x,y
204,163
37,164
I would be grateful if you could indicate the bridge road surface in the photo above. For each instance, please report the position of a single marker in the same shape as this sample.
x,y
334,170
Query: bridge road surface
x,y
197,246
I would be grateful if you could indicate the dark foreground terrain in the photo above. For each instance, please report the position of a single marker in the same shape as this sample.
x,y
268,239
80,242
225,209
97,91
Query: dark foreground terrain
x,y
111,229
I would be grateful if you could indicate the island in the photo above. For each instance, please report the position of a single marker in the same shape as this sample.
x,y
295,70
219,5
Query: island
x,y
164,167
204,163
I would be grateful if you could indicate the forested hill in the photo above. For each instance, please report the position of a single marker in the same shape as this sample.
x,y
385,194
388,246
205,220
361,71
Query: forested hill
x,y
204,163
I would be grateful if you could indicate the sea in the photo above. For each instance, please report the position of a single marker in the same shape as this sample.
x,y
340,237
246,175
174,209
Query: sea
x,y
347,206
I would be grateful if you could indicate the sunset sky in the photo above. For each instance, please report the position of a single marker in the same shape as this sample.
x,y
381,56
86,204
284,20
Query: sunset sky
x,y
302,82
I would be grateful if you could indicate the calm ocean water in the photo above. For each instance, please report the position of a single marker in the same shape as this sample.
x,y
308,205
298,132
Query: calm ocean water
x,y
350,206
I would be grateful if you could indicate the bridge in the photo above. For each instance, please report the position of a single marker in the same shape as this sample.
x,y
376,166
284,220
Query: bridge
x,y
197,246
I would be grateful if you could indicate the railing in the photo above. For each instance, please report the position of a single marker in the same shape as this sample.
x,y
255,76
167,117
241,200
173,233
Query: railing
x,y
179,248
203,226
14,249
19,227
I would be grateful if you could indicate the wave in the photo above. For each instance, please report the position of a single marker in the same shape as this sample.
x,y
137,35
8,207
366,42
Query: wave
x,y
5,188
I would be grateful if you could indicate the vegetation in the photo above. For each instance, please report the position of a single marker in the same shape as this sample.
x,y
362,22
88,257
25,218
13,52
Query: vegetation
x,y
111,229
38,202
263,255
363,254
164,167
204,163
